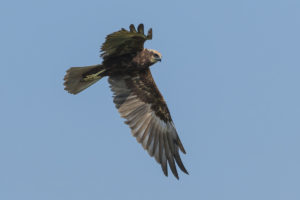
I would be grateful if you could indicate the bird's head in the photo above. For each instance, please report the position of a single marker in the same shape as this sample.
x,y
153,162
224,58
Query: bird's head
x,y
155,56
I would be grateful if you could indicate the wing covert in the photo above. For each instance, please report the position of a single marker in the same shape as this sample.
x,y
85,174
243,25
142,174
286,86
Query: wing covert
x,y
125,42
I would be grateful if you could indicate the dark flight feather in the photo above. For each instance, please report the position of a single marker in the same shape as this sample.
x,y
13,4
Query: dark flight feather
x,y
147,115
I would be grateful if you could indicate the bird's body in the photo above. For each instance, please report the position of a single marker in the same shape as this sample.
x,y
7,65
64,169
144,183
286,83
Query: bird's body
x,y
126,62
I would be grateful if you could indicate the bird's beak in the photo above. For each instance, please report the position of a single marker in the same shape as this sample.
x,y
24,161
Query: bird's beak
x,y
158,59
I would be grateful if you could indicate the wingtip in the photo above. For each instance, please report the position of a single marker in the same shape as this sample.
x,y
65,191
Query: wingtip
x,y
166,174
165,170
132,28
185,171
176,176
181,146
149,35
141,28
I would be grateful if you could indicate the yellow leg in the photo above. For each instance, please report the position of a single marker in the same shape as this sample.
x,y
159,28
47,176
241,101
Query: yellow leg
x,y
93,76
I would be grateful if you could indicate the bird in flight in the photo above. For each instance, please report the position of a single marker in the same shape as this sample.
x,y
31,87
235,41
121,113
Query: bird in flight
x,y
126,63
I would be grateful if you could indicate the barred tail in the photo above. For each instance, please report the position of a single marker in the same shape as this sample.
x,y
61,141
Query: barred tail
x,y
79,78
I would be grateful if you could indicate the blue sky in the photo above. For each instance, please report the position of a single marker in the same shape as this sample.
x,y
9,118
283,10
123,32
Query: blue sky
x,y
230,76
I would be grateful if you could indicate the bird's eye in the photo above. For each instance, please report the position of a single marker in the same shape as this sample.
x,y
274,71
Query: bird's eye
x,y
156,55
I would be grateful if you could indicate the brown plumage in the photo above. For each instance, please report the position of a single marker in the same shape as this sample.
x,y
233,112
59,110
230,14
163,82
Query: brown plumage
x,y
126,62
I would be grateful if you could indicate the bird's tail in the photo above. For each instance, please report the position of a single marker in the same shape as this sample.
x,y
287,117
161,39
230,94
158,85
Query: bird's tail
x,y
79,78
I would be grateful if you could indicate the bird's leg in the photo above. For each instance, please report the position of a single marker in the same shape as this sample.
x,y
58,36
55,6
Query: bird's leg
x,y
93,76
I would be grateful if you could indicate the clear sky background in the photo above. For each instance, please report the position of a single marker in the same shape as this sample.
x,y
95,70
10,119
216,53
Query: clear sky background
x,y
230,75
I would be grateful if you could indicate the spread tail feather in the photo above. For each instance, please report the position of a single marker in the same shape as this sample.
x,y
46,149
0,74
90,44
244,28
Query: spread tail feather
x,y
79,78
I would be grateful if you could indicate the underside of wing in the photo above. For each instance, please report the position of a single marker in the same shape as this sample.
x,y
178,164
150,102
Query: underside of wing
x,y
125,42
139,101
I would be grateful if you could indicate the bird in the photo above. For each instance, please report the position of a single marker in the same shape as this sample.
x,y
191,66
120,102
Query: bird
x,y
127,63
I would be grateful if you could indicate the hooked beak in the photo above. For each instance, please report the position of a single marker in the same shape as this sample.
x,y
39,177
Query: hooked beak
x,y
158,59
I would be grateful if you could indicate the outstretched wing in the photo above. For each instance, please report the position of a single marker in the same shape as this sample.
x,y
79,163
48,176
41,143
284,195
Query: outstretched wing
x,y
125,42
139,101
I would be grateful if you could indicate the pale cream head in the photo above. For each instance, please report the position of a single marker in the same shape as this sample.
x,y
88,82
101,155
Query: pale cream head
x,y
156,56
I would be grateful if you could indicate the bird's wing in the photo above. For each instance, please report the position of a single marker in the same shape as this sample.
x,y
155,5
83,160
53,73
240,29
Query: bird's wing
x,y
139,101
125,42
